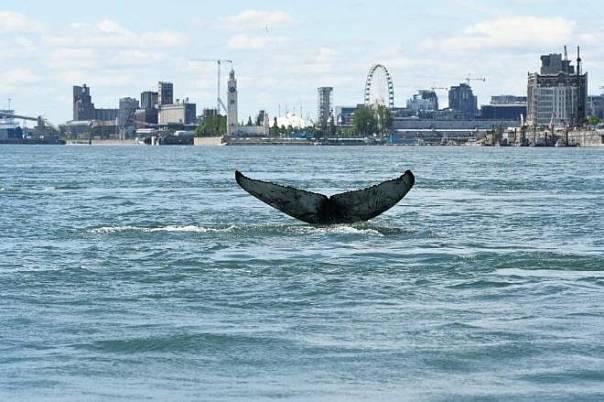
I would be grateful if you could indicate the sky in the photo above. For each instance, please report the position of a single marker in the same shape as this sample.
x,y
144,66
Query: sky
x,y
282,50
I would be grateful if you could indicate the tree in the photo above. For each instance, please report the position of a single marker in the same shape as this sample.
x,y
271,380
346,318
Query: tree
x,y
592,120
384,117
212,126
364,120
249,121
332,127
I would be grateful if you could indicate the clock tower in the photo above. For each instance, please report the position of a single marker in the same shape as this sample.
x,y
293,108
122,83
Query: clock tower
x,y
232,124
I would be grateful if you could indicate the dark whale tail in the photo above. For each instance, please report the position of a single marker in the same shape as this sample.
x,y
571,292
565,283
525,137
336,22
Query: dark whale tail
x,y
348,207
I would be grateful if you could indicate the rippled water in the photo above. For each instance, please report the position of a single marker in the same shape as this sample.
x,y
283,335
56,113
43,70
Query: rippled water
x,y
145,273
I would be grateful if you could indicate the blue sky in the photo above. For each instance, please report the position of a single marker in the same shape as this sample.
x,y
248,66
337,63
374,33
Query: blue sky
x,y
282,50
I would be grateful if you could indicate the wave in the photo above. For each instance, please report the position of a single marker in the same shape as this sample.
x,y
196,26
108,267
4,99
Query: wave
x,y
277,229
550,273
170,228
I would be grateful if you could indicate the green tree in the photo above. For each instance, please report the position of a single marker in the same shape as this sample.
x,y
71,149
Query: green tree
x,y
212,126
364,120
384,118
592,120
332,127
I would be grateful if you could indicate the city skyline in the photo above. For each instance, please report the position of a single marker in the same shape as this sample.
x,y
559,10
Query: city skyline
x,y
283,52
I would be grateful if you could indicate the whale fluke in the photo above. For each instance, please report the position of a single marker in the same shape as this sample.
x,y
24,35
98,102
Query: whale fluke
x,y
348,207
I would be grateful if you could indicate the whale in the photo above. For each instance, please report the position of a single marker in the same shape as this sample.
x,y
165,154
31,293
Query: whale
x,y
314,208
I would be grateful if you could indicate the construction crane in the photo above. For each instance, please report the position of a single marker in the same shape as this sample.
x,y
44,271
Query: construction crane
x,y
439,88
469,78
218,62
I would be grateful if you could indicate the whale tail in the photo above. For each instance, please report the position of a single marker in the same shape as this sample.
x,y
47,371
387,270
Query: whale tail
x,y
348,207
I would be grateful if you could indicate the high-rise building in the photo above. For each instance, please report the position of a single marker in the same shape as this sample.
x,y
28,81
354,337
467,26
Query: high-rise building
x,y
83,108
324,104
165,93
149,99
126,116
596,106
558,95
463,101
232,123
423,101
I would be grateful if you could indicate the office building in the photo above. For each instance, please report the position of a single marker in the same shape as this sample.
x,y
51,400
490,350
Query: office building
x,y
165,93
126,117
596,106
423,101
505,107
558,94
463,101
508,100
149,100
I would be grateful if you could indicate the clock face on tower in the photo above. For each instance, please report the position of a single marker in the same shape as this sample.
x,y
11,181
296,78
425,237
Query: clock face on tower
x,y
232,89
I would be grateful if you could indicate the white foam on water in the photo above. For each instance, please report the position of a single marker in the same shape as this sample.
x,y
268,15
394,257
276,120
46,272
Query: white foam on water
x,y
338,229
549,273
169,228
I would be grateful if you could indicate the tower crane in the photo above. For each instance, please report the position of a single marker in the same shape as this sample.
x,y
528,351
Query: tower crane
x,y
218,62
469,78
439,88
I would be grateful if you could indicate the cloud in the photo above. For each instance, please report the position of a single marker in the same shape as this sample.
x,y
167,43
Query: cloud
x,y
255,19
507,33
11,21
110,34
18,78
243,41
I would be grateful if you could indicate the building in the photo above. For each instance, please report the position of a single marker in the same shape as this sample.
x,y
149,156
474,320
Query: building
x,y
344,115
423,101
505,107
126,117
105,114
596,106
184,113
558,94
149,100
463,101
145,118
207,113
83,108
508,100
324,105
165,93
232,123
503,112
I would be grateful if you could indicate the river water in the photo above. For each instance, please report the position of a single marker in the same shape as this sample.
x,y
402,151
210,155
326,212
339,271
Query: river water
x,y
146,273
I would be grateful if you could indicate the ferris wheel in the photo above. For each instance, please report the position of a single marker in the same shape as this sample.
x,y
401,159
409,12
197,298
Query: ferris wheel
x,y
378,87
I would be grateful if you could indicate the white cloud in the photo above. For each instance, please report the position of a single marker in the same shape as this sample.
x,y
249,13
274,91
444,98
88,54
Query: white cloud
x,y
507,33
255,19
110,34
11,21
18,78
243,41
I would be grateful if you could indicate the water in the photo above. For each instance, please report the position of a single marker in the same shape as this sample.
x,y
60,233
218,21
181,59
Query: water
x,y
140,273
